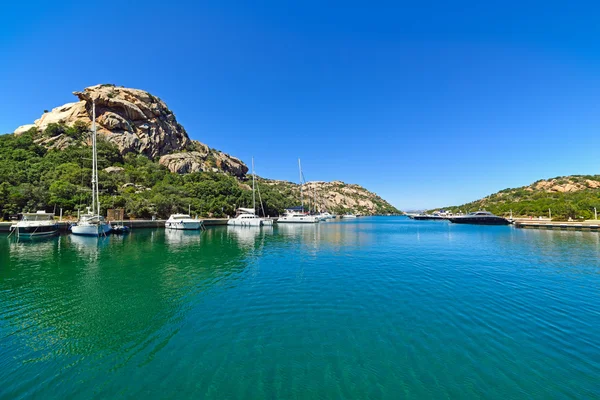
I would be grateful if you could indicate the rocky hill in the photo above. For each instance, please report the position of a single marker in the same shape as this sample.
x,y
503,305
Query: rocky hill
x,y
566,196
136,122
142,147
337,197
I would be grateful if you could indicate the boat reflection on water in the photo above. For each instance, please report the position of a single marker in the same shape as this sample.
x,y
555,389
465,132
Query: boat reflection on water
x,y
29,251
88,245
180,238
246,236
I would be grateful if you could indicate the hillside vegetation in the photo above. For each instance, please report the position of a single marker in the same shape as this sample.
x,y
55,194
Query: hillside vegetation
x,y
566,196
33,177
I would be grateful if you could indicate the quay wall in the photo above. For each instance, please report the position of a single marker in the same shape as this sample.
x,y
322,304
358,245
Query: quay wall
x,y
133,224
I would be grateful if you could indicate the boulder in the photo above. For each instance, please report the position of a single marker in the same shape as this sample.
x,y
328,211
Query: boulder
x,y
136,122
24,128
114,170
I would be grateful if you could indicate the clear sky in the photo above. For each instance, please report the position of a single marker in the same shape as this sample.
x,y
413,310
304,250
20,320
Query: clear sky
x,y
425,103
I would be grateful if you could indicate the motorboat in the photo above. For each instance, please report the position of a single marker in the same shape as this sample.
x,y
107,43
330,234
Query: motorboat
x,y
348,216
427,217
183,222
245,217
36,224
324,216
297,215
92,223
479,218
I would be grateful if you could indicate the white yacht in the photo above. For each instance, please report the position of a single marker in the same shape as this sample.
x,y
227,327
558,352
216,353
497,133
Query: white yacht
x,y
297,214
183,222
349,216
92,223
35,225
323,216
245,217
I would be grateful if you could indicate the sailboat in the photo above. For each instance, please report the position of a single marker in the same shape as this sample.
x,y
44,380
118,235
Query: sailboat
x,y
247,216
92,223
297,214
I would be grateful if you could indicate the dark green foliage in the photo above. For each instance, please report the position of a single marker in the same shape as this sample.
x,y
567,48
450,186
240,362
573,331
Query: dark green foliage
x,y
54,129
34,178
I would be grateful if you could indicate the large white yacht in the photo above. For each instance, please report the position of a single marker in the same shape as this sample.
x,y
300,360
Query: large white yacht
x,y
92,223
183,222
35,225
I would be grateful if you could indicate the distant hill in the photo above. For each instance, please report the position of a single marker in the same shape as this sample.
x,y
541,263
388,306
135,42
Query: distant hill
x,y
572,196
336,197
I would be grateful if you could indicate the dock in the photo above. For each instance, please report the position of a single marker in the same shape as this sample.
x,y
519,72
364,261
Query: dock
x,y
63,226
591,225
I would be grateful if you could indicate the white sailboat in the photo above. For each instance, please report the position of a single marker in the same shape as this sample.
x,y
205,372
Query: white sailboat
x,y
247,216
92,223
297,214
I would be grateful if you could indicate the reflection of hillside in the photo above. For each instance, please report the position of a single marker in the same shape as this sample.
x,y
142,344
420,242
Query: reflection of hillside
x,y
62,298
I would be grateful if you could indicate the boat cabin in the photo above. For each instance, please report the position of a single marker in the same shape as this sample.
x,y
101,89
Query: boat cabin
x,y
38,216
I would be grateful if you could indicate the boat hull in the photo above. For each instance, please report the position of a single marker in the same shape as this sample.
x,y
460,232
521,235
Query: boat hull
x,y
33,231
427,217
245,222
480,221
91,230
297,220
183,225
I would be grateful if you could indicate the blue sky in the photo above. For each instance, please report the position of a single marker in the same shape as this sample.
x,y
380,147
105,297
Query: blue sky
x,y
426,104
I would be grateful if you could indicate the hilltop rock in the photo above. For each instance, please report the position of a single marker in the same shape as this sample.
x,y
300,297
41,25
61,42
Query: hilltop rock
x,y
198,161
136,122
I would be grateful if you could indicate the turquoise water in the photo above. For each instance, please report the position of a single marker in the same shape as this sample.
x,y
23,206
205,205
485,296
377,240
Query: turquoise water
x,y
380,308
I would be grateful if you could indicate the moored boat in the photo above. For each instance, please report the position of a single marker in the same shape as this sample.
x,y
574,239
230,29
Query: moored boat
x,y
92,223
183,222
245,217
36,224
349,216
297,215
480,218
426,217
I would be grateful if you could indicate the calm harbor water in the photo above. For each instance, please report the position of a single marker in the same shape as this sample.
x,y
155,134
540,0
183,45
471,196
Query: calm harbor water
x,y
379,307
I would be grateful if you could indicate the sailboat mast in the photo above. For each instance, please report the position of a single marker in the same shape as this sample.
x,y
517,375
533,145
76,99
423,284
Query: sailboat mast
x,y
301,194
253,194
93,157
